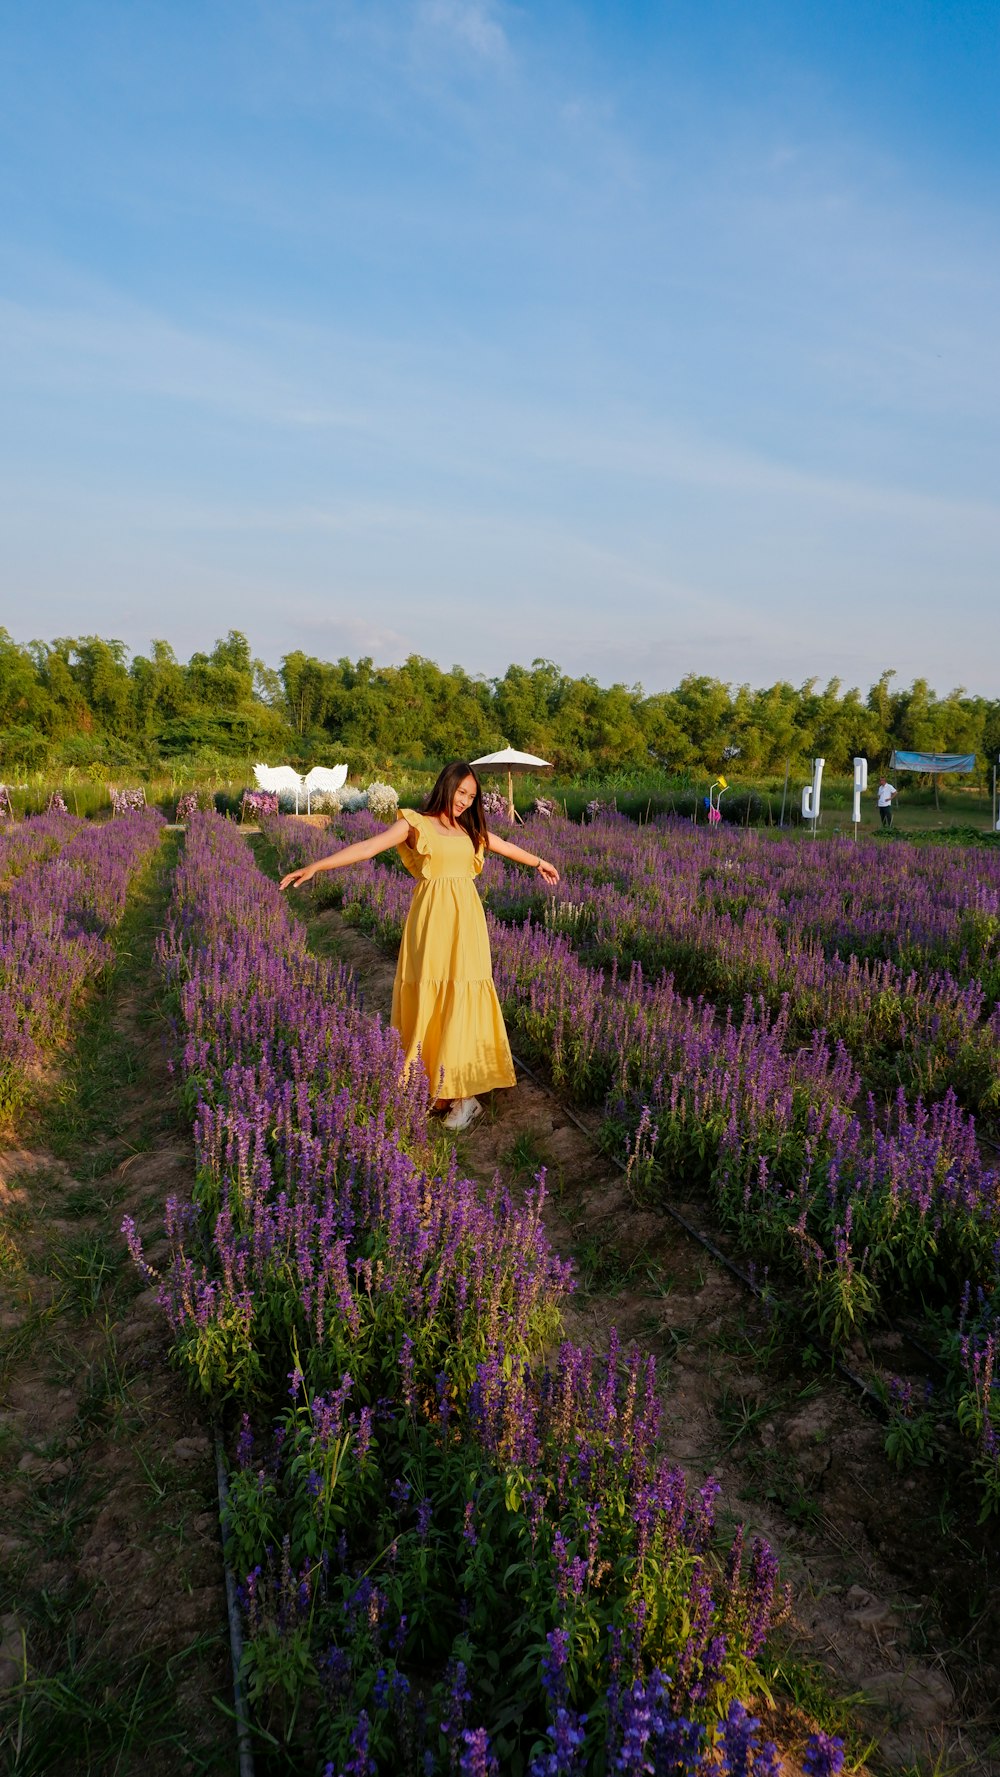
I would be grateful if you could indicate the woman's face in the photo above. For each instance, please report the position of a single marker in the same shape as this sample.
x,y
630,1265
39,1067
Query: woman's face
x,y
464,797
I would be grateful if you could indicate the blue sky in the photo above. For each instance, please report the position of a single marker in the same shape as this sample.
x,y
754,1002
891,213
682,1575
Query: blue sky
x,y
647,338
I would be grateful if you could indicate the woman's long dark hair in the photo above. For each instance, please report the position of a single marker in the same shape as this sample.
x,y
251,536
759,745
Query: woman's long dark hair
x,y
443,795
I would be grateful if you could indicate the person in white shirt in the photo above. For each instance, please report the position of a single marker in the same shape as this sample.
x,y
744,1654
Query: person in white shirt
x,y
886,793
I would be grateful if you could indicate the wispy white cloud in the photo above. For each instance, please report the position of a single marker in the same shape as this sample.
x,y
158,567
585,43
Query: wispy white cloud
x,y
472,26
451,414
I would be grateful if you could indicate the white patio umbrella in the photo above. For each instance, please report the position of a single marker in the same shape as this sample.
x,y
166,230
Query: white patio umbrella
x,y
510,760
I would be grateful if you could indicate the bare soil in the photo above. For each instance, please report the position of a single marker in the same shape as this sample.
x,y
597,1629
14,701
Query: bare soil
x,y
896,1593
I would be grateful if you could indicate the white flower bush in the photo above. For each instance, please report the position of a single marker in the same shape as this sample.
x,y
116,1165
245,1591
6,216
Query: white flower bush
x,y
382,801
566,916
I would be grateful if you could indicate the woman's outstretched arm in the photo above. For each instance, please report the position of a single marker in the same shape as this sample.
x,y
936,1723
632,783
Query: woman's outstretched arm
x,y
517,855
349,854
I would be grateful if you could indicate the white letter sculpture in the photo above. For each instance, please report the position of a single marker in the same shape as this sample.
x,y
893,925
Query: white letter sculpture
x,y
860,784
810,795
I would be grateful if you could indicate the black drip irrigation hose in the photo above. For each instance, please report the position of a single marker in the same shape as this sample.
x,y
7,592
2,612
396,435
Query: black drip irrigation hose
x,y
870,1396
243,1742
674,1214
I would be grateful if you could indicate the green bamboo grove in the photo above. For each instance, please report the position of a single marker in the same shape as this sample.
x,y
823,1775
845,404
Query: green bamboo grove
x,y
85,703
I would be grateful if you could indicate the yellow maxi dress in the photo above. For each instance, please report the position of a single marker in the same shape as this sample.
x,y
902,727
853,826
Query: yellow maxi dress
x,y
444,1003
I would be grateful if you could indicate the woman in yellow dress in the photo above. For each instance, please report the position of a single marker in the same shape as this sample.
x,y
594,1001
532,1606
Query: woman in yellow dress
x,y
444,1003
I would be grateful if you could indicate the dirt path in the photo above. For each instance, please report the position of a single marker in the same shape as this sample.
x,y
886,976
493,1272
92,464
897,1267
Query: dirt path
x,y
891,1598
110,1566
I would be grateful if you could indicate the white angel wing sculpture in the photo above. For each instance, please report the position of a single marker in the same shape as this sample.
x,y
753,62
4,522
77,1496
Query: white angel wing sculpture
x,y
284,777
277,777
324,777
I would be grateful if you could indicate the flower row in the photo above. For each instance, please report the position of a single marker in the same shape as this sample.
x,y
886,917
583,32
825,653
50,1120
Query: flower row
x,y
736,914
55,919
863,1210
458,1543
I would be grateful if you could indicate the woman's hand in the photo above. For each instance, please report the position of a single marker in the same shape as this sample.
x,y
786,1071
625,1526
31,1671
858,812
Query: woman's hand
x,y
518,855
298,878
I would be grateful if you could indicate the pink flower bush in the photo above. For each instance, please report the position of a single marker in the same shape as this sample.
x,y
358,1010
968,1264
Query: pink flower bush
x,y
126,801
258,802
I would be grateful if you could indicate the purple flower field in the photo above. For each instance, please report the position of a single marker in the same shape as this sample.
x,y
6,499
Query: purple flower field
x,y
459,1543
895,954
63,887
865,1198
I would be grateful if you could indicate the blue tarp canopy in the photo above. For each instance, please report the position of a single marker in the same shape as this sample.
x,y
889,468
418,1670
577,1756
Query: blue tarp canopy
x,y
933,761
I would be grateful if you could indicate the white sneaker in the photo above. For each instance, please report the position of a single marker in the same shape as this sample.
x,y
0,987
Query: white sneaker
x,y
463,1112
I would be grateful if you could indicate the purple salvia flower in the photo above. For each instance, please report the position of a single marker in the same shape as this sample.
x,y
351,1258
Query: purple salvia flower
x,y
554,1663
459,1697
739,1740
568,1755
476,1758
360,1762
823,1756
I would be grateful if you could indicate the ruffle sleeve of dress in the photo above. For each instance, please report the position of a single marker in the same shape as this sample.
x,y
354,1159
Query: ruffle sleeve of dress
x,y
429,852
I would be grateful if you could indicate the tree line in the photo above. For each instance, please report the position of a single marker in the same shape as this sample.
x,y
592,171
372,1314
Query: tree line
x,y
84,702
